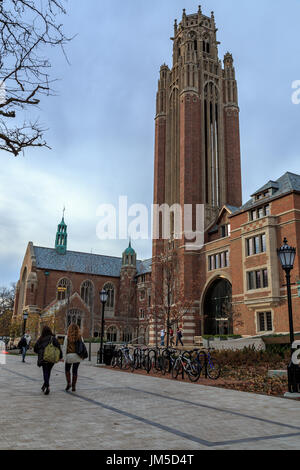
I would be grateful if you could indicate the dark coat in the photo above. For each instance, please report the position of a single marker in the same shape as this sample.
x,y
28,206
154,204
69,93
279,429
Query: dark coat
x,y
22,343
40,347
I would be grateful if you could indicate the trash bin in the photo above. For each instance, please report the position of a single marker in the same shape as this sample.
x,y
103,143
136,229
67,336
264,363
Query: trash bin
x,y
108,352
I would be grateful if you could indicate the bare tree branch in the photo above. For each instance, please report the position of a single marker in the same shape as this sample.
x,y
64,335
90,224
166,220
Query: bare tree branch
x,y
28,28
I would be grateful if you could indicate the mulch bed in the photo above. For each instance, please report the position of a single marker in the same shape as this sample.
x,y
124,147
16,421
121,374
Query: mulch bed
x,y
251,379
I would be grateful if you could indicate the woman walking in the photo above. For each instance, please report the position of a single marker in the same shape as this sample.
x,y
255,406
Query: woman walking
x,y
39,348
72,359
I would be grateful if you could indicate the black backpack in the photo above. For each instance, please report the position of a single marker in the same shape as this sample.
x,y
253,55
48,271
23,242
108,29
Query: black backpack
x,y
80,349
22,343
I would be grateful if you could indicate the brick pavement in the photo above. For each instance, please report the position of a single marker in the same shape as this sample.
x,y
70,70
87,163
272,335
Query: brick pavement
x,y
116,411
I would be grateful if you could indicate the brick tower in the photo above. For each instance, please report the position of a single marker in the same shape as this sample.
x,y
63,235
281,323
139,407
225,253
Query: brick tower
x,y
197,141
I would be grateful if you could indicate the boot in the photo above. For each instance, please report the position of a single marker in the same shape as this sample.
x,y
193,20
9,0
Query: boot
x,y
68,377
74,383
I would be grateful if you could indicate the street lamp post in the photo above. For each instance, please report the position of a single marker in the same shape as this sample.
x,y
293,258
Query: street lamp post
x,y
287,256
25,316
103,299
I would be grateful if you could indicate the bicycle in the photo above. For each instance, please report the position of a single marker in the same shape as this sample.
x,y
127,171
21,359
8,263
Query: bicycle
x,y
123,359
183,363
169,359
210,365
154,360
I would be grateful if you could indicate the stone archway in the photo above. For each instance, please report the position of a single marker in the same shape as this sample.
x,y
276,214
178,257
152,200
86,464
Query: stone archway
x,y
217,307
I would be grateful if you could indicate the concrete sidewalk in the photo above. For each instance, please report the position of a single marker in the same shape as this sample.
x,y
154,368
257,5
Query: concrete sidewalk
x,y
113,410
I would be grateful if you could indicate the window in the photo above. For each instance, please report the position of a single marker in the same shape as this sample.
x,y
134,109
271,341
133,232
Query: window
x,y
219,260
225,230
142,295
142,314
111,334
260,212
256,245
257,279
74,316
127,335
110,295
63,289
264,321
87,292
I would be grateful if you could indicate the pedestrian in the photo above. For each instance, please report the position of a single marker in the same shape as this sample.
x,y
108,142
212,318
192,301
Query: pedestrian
x,y
162,337
24,344
39,348
171,337
179,337
71,357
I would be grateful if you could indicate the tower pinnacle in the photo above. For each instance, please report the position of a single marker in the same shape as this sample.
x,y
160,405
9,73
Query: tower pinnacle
x,y
61,236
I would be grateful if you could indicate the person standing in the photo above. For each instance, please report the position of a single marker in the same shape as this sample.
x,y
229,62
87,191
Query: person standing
x,y
24,344
71,358
39,348
179,337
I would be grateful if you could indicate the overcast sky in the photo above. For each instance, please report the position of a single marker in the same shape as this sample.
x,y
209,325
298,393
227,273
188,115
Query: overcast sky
x,y
101,124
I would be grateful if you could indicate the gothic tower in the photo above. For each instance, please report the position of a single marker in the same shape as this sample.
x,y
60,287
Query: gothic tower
x,y
197,142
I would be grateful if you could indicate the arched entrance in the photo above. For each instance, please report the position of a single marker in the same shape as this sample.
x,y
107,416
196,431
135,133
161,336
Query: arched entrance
x,y
217,308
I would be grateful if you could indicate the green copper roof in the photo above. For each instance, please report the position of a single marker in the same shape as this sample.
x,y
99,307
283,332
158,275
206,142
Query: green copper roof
x,y
61,238
129,250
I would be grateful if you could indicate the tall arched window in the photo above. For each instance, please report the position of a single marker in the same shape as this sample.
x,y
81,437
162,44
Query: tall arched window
x,y
75,316
111,334
211,142
63,289
127,335
87,293
110,296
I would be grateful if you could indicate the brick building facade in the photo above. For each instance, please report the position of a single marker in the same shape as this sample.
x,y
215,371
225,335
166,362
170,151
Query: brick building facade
x,y
233,283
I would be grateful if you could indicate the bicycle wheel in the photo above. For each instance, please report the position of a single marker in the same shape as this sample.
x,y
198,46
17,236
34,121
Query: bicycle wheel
x,y
165,365
177,368
148,364
213,368
192,371
125,364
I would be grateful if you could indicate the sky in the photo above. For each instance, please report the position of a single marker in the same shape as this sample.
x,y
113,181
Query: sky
x,y
101,121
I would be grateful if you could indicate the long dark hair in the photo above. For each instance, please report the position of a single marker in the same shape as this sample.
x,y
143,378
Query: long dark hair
x,y
46,331
73,333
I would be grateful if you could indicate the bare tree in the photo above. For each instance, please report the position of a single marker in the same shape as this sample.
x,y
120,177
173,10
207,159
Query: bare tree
x,y
172,303
7,298
27,29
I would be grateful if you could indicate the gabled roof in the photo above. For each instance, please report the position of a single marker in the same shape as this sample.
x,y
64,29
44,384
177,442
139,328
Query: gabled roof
x,y
144,267
285,184
214,227
88,263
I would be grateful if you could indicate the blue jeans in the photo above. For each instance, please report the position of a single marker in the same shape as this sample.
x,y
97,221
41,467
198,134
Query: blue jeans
x,y
24,351
162,340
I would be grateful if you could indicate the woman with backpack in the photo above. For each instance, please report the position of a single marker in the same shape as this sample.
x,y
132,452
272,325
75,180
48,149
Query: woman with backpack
x,y
47,339
74,351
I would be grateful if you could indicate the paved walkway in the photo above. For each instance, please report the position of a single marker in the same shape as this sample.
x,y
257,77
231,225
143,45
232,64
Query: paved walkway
x,y
114,410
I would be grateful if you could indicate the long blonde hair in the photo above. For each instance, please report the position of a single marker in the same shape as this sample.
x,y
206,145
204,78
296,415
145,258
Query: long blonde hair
x,y
73,333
